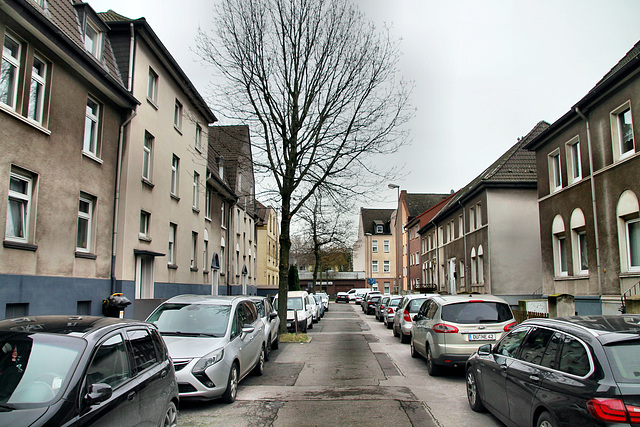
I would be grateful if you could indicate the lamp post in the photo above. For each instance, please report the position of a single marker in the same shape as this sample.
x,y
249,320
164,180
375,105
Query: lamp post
x,y
398,253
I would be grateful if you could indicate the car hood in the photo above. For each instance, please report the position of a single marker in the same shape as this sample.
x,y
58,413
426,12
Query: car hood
x,y
21,417
190,347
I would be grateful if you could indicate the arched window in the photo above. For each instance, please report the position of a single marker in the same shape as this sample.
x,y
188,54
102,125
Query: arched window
x,y
579,242
559,247
628,213
480,264
474,266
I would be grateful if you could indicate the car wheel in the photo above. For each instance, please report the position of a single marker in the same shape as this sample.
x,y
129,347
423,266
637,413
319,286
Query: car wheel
x,y
389,325
311,325
276,343
473,394
267,353
546,420
170,416
404,339
258,370
230,393
304,328
432,368
414,353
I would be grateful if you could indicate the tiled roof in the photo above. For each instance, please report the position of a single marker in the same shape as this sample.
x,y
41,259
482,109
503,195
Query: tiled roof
x,y
429,214
372,217
417,203
633,53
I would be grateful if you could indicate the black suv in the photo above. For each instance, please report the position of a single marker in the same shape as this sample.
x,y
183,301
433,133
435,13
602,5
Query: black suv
x,y
582,370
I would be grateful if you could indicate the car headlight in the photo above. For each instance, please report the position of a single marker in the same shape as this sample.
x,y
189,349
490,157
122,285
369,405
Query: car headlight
x,y
208,360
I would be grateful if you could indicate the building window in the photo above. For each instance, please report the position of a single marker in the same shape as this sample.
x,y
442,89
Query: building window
x,y
379,229
205,255
175,167
10,72
196,190
374,246
177,115
223,215
622,132
208,203
374,266
92,119
198,138
386,266
85,224
194,249
472,219
460,226
480,265
152,86
144,224
171,252
147,156
19,207
573,156
474,266
579,242
633,243
386,246
478,215
36,91
555,172
93,39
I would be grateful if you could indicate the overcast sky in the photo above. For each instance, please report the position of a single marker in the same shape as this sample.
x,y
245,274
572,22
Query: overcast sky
x,y
485,71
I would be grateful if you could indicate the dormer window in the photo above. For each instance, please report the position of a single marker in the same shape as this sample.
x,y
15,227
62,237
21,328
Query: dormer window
x,y
379,229
93,39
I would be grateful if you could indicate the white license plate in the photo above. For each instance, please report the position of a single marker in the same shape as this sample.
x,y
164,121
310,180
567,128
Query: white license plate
x,y
482,337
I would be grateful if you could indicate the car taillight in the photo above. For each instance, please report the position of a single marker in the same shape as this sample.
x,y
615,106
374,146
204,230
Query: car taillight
x,y
613,410
510,326
390,310
443,328
406,316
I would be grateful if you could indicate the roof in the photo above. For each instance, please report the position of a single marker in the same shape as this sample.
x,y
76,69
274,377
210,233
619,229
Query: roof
x,y
372,217
60,324
418,203
426,216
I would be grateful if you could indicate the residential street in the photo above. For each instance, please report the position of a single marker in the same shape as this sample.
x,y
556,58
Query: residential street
x,y
353,372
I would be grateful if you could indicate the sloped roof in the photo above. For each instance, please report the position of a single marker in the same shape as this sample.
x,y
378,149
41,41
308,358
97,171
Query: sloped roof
x,y
371,217
417,203
425,217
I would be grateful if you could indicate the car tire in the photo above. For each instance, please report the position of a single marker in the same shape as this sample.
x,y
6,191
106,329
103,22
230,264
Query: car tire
x,y
258,370
433,369
230,393
473,393
170,418
414,353
546,420
404,339
276,342
267,353
310,326
389,325
304,329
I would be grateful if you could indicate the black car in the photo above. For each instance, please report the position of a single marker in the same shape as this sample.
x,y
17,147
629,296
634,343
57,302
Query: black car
x,y
371,303
84,370
570,371
342,297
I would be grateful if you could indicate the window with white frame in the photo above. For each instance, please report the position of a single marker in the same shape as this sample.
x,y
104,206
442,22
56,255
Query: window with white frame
x,y
480,265
196,189
555,171
208,203
198,138
374,246
223,215
177,115
472,218
628,213
147,156
632,227
374,266
559,247
573,160
93,39
19,207
579,242
194,249
386,246
478,215
461,268
144,224
622,132
10,71
85,223
175,168
205,255
237,221
37,89
460,226
152,86
223,261
474,266
91,127
171,252
379,229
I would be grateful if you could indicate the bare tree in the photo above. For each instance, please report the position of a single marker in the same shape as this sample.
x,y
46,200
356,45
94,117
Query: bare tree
x,y
318,85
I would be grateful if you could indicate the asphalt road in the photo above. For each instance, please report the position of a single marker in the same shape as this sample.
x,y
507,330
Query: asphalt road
x,y
353,372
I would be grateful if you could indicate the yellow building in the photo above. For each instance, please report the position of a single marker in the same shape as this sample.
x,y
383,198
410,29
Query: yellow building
x,y
268,252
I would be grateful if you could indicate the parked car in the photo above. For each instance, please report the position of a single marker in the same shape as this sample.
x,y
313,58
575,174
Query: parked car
x,y
380,307
407,308
84,370
354,292
214,342
313,307
390,311
449,328
372,301
271,321
325,300
365,300
579,371
342,297
320,305
297,306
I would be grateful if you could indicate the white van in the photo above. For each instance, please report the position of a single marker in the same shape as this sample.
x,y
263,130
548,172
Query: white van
x,y
298,302
358,291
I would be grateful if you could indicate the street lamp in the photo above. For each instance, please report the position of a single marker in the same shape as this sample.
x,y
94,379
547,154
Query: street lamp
x,y
398,254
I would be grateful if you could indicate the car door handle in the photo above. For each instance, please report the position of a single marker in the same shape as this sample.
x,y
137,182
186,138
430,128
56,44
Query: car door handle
x,y
164,373
503,367
534,378
131,395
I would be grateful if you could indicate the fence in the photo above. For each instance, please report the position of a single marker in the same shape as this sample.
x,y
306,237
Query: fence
x,y
522,315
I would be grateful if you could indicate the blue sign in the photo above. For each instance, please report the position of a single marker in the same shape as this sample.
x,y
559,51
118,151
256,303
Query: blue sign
x,y
371,281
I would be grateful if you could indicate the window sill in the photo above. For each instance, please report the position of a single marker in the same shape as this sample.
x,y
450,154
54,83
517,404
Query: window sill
x,y
205,271
174,197
23,119
85,255
198,149
194,269
629,274
143,238
152,102
19,245
92,157
177,129
148,183
195,210
172,266
208,219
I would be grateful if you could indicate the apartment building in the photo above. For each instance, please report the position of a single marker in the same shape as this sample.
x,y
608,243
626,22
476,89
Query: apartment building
x,y
375,249
268,252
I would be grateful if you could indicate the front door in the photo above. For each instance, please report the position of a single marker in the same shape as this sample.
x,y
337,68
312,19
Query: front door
x,y
452,276
144,277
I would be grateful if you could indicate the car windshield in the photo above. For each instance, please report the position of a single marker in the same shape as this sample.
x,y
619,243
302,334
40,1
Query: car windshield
x,y
414,304
476,312
294,303
36,368
394,302
624,361
192,319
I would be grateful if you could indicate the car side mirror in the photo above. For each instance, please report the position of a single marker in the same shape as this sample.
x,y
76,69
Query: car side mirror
x,y
247,329
484,350
416,317
98,393
273,315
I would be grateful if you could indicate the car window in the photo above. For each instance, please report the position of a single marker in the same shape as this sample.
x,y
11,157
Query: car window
x,y
424,308
433,308
243,315
574,358
145,353
509,345
414,305
535,345
624,360
110,364
261,308
236,326
268,306
476,312
252,312
550,358
394,302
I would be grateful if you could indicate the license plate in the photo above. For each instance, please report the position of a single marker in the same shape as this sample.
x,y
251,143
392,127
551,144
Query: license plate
x,y
482,337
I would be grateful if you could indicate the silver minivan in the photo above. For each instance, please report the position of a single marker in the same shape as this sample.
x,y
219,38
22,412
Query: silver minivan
x,y
449,328
214,342
403,319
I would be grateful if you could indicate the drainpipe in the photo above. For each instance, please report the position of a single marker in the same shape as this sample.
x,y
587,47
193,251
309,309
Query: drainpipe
x,y
593,199
131,56
117,201
464,240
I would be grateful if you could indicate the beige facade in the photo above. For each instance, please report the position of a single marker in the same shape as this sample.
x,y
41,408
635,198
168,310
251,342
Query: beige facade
x,y
268,249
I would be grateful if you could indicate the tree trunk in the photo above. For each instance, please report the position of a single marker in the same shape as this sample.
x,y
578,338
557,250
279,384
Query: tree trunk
x,y
285,248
